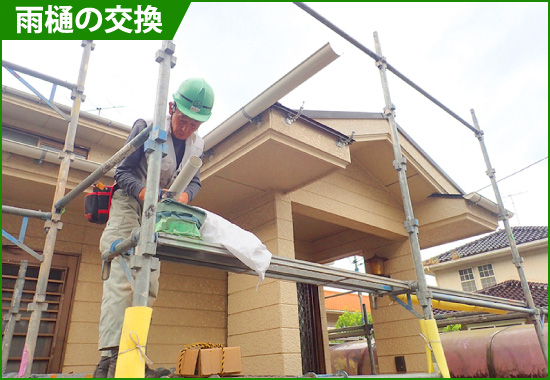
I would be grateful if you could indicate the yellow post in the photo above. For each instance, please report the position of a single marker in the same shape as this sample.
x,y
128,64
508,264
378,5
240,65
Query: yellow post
x,y
428,351
434,340
131,357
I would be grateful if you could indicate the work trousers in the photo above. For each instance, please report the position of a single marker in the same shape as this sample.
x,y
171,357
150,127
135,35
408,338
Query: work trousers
x,y
124,216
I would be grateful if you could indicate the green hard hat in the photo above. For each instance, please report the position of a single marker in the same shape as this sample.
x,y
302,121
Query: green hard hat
x,y
195,98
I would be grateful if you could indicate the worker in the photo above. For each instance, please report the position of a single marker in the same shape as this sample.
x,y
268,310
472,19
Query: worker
x,y
192,105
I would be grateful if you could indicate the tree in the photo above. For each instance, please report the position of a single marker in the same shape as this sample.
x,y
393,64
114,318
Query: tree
x,y
350,318
456,327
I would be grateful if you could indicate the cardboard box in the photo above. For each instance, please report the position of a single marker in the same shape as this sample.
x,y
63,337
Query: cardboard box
x,y
208,361
187,362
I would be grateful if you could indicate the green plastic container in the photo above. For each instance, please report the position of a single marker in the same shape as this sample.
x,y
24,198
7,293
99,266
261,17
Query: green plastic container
x,y
179,219
176,208
177,226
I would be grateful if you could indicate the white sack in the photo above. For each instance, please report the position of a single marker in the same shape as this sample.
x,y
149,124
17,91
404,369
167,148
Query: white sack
x,y
244,245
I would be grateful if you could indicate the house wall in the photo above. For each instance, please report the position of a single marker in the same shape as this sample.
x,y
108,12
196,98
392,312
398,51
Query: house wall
x,y
535,266
352,198
397,331
263,320
355,199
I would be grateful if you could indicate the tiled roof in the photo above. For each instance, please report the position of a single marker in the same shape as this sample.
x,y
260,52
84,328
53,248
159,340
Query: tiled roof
x,y
349,302
511,289
492,242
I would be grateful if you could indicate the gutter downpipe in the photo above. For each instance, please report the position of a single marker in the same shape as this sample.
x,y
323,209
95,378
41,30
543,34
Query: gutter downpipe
x,y
305,70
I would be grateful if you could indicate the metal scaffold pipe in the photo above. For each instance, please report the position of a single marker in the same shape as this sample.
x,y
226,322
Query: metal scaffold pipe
x,y
39,303
13,314
400,165
377,58
36,74
25,212
516,258
146,249
124,152
471,301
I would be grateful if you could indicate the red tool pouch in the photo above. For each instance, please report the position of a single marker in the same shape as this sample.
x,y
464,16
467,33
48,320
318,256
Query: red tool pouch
x,y
98,202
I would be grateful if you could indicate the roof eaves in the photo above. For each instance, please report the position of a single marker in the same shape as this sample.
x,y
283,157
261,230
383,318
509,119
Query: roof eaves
x,y
63,107
377,116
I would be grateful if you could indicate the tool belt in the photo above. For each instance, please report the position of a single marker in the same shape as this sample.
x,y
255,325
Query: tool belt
x,y
98,203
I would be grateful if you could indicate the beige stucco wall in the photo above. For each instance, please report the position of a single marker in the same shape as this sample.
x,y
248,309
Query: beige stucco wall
x,y
535,266
263,319
354,198
397,331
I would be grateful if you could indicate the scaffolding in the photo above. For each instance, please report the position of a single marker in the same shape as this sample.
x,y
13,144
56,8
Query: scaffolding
x,y
151,247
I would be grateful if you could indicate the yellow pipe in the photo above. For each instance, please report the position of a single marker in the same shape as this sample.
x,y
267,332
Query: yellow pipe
x,y
428,351
430,327
445,305
131,356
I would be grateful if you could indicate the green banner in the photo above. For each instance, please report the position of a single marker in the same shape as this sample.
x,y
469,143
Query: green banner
x,y
91,20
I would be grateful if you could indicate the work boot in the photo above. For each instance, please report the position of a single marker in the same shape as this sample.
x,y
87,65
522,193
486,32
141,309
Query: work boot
x,y
156,373
102,368
112,362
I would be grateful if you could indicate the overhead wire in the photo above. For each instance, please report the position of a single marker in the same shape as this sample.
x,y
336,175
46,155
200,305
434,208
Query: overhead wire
x,y
510,175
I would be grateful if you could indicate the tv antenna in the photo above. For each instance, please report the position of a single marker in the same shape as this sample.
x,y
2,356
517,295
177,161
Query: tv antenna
x,y
99,109
511,196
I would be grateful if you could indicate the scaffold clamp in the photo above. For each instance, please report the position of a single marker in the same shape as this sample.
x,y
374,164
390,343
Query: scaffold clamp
x,y
411,225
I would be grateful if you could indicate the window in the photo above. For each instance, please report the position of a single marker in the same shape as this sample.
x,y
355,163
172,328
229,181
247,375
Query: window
x,y
54,322
467,280
39,141
487,275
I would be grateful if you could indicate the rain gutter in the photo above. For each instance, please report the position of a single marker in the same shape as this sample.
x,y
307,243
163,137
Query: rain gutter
x,y
41,154
305,70
485,203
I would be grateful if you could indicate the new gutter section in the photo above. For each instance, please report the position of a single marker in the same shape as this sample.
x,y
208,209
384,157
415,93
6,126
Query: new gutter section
x,y
266,99
49,156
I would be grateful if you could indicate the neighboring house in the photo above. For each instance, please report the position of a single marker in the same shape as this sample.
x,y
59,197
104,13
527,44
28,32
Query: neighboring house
x,y
300,188
337,303
510,289
485,266
487,261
